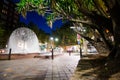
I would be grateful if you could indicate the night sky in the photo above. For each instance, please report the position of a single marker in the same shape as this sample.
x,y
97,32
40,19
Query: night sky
x,y
39,20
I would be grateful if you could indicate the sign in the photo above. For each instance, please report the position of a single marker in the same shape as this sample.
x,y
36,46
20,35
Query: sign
x,y
78,42
78,37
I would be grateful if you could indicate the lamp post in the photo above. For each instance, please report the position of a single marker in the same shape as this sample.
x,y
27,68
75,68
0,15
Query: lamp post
x,y
79,43
52,39
80,51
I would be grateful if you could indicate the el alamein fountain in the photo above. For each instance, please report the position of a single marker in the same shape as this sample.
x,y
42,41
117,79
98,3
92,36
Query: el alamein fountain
x,y
23,41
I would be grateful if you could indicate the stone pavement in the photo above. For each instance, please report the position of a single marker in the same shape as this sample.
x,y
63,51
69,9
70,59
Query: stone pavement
x,y
94,67
84,71
61,68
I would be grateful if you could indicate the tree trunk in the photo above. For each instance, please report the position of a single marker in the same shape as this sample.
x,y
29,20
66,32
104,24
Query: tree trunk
x,y
101,47
115,15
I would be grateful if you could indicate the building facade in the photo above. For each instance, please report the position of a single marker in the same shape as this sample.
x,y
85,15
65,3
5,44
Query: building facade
x,y
9,18
8,13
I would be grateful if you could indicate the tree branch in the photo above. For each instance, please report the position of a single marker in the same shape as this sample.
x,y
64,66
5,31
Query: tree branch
x,y
85,37
81,21
83,10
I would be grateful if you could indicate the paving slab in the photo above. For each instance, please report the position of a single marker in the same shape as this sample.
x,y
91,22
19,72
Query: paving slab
x,y
61,68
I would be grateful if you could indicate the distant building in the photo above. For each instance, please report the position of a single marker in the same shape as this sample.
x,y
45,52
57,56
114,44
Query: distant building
x,y
8,14
9,17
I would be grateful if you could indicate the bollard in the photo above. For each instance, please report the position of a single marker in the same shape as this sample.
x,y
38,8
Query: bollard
x,y
9,57
52,54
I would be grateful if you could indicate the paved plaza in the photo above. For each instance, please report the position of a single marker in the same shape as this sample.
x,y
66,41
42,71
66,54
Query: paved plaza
x,y
61,68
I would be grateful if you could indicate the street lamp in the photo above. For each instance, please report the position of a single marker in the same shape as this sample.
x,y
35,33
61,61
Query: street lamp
x,y
78,38
52,45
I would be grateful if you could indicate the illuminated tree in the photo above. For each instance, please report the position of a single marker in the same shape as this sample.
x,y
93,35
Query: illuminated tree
x,y
66,35
99,16
40,33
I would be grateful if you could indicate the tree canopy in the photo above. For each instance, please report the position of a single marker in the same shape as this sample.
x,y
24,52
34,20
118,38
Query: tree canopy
x,y
66,35
40,33
101,16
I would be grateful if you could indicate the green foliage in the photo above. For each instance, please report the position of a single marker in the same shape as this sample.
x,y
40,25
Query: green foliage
x,y
88,31
67,9
77,10
66,35
2,35
88,4
27,5
68,6
42,36
1,32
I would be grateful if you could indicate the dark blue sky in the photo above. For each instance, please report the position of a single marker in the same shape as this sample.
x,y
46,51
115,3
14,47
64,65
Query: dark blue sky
x,y
39,20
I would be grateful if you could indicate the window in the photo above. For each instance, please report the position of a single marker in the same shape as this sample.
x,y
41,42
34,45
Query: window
x,y
4,11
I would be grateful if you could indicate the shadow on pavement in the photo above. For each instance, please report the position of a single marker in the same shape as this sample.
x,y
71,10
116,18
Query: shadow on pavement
x,y
97,68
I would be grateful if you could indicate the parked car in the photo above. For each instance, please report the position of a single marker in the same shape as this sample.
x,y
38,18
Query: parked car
x,y
92,49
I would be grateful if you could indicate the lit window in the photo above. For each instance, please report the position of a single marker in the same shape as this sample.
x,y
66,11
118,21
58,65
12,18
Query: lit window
x,y
4,11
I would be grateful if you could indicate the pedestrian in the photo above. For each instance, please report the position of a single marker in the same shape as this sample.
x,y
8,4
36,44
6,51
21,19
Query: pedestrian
x,y
69,52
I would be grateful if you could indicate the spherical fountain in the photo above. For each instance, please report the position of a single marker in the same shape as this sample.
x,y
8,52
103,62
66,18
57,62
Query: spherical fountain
x,y
23,41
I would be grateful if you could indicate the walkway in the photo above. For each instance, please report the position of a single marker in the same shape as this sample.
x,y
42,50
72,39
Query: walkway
x,y
61,68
